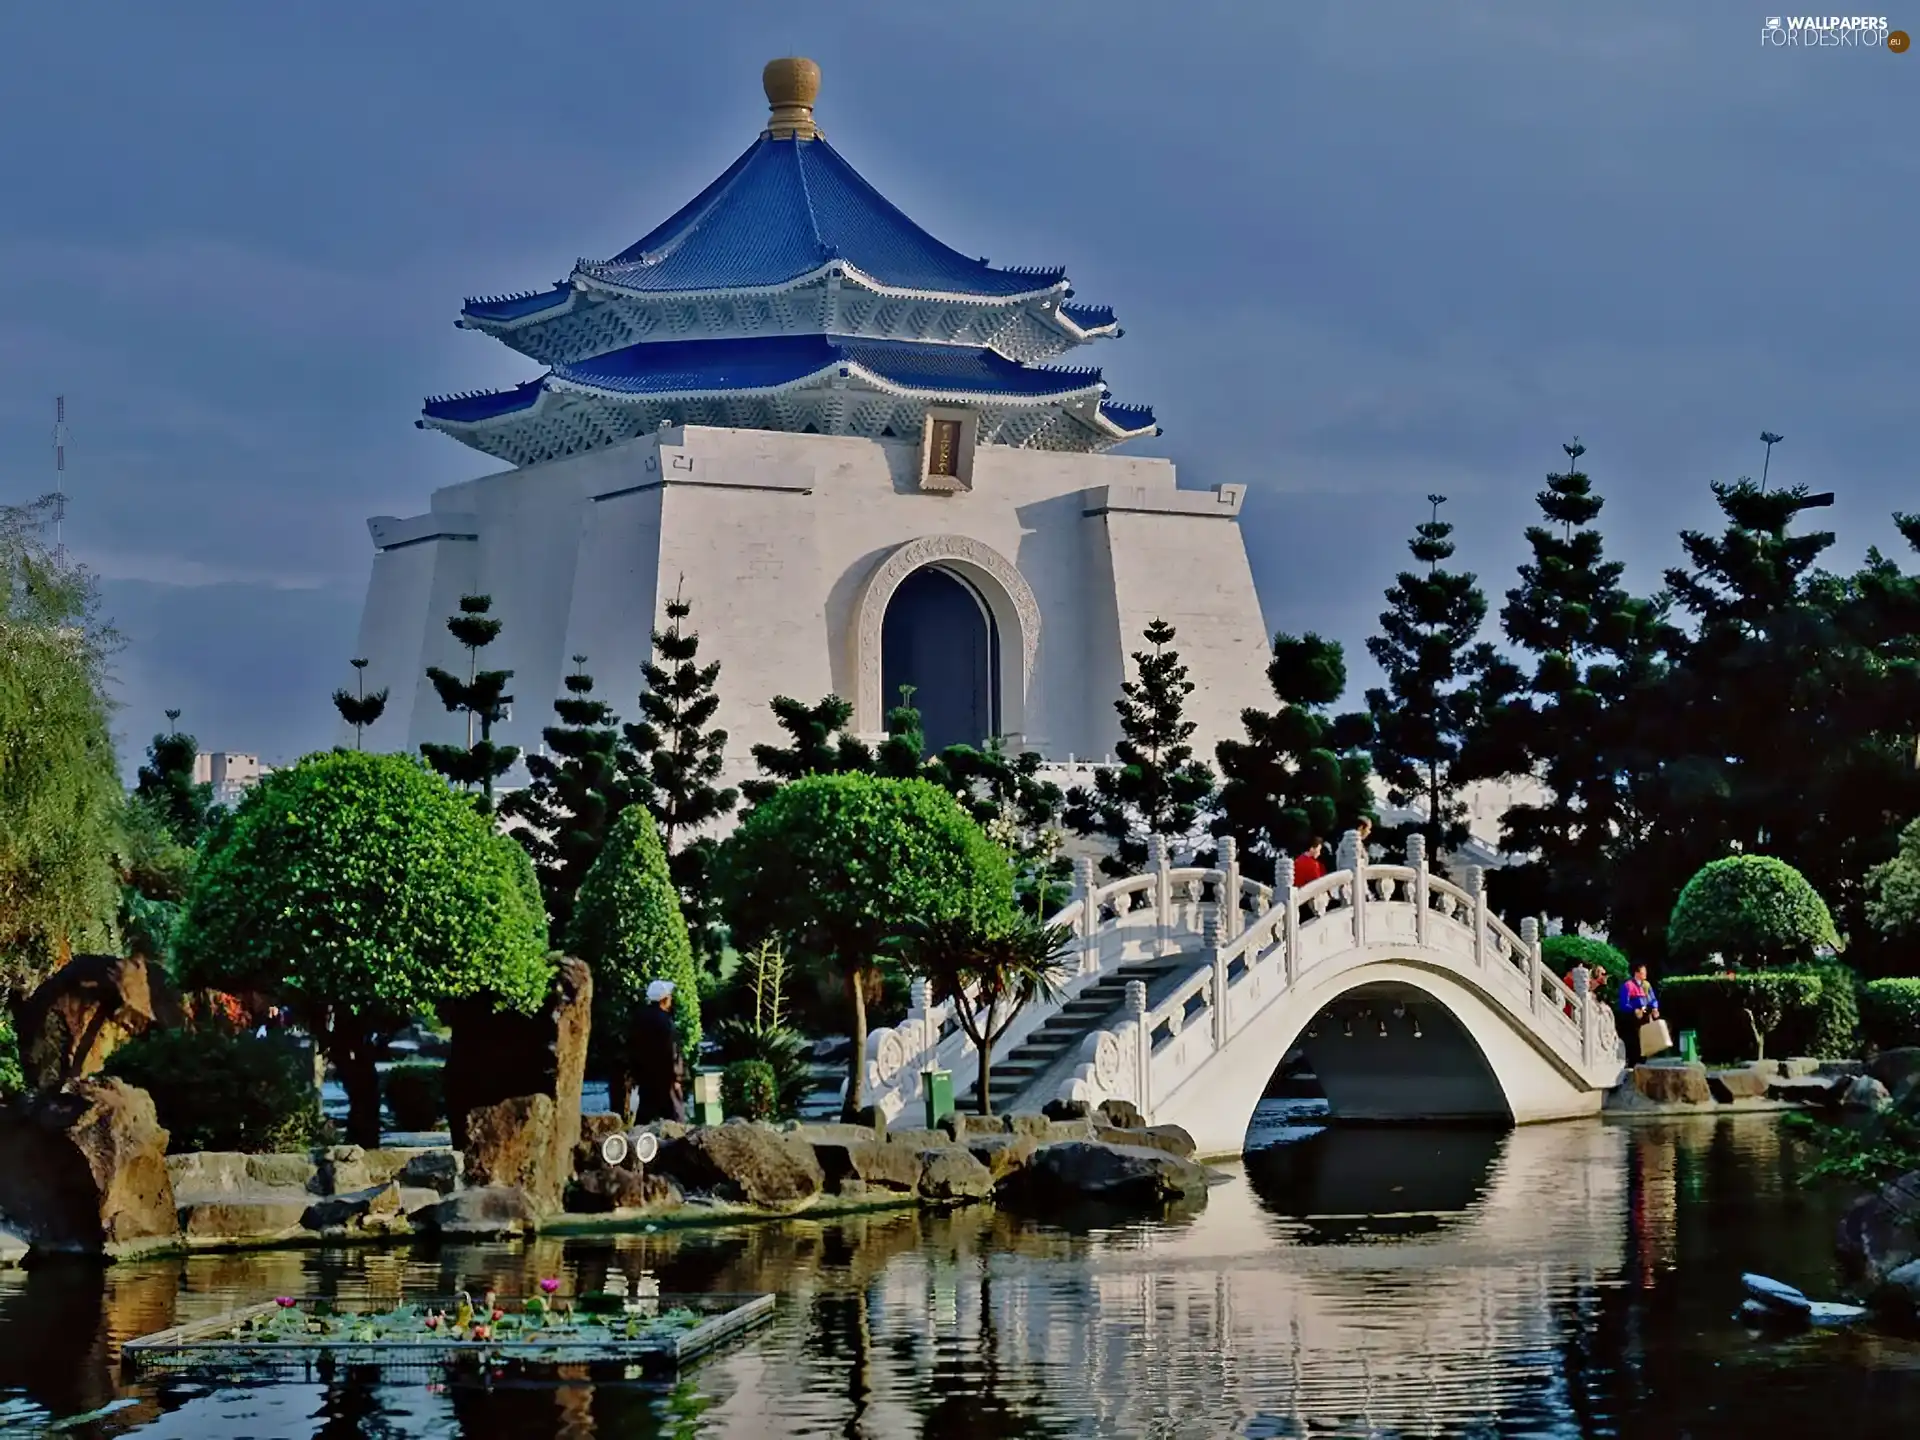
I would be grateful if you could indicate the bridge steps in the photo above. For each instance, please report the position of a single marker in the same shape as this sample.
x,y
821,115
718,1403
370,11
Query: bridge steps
x,y
1064,1031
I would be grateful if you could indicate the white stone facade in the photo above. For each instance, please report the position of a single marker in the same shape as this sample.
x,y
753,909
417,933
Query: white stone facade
x,y
788,547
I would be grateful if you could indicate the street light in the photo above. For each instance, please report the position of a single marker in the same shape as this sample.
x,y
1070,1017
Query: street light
x,y
1769,439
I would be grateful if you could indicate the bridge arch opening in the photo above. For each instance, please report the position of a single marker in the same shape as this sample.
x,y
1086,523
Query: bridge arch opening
x,y
1385,1053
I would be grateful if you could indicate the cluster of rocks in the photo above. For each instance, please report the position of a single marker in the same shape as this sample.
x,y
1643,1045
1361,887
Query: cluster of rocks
x,y
1879,1240
1678,1085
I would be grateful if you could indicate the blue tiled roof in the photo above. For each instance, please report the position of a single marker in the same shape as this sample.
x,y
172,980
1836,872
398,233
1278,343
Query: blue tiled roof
x,y
1089,317
704,367
513,307
784,209
669,367
1130,419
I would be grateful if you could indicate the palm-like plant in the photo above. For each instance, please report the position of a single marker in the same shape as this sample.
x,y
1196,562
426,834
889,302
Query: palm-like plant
x,y
989,973
764,1033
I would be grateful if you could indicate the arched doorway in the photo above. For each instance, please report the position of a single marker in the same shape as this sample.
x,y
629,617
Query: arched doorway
x,y
939,637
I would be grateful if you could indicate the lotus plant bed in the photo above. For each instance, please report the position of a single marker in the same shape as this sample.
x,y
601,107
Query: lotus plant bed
x,y
650,1334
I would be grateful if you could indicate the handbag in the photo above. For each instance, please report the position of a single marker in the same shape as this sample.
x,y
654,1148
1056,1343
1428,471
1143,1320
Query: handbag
x,y
1654,1037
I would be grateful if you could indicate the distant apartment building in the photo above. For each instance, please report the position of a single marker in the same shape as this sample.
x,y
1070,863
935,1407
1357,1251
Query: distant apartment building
x,y
231,775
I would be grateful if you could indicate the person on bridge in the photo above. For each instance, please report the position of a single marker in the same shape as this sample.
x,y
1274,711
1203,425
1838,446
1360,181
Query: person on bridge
x,y
1638,1005
658,1068
1596,985
1311,863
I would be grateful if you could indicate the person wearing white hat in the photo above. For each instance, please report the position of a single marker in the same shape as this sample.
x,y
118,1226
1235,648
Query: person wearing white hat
x,y
658,1072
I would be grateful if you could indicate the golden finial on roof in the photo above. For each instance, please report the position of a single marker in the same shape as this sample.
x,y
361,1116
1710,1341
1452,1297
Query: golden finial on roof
x,y
792,84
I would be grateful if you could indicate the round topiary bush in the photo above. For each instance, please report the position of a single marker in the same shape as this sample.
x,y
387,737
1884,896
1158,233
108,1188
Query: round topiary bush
x,y
1563,952
416,1095
1890,1013
220,1089
749,1089
1750,911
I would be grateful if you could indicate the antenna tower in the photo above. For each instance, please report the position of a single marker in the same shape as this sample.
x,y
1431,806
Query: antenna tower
x,y
59,466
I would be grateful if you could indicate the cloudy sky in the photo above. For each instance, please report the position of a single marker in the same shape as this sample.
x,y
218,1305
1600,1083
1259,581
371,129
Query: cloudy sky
x,y
1363,251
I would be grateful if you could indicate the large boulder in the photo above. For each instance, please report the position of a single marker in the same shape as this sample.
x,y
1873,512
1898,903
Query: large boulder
x,y
499,1055
620,1187
1002,1154
875,1164
1881,1232
86,1010
952,1176
253,1219
767,1168
1673,1084
83,1169
483,1213
1894,1068
1140,1177
370,1211
1862,1094
511,1143
1170,1138
1749,1082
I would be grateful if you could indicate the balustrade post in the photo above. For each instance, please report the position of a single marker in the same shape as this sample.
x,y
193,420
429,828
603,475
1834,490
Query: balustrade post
x,y
1227,899
1215,944
1290,925
1582,995
1476,879
1161,867
1417,858
1143,1046
1088,927
1353,860
925,1029
1530,942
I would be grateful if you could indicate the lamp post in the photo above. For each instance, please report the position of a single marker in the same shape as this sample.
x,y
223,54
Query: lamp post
x,y
1769,439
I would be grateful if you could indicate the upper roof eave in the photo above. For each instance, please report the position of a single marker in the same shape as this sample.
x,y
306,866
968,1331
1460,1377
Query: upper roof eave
x,y
590,273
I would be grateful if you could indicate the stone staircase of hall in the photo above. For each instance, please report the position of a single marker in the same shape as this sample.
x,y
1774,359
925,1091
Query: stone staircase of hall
x,y
1062,1034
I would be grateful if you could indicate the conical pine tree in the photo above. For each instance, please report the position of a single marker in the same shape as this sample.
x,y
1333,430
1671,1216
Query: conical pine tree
x,y
1568,723
1430,706
1300,773
818,744
677,755
574,794
358,708
1158,787
481,696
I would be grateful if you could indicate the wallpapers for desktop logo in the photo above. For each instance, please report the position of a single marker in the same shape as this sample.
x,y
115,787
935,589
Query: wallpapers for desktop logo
x,y
1859,32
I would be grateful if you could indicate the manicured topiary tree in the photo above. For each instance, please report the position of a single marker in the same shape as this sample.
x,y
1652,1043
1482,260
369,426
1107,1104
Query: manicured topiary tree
x,y
1750,910
1893,890
627,926
359,890
839,866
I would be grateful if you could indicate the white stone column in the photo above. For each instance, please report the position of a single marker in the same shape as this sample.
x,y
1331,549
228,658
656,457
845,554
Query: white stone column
x,y
1353,860
1476,886
1290,925
1213,942
1583,1011
1161,868
1530,942
1088,928
1417,858
1143,1047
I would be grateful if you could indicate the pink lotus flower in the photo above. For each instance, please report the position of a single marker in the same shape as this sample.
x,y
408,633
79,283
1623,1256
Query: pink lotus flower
x,y
433,1322
550,1284
285,1302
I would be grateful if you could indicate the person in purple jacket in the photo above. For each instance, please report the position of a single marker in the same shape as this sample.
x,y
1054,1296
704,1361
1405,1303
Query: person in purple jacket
x,y
1638,1005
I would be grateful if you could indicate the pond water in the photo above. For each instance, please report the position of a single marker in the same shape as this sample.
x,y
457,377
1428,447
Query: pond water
x,y
1565,1280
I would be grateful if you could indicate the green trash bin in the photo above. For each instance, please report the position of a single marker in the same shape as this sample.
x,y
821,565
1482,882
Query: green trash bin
x,y
1690,1046
938,1088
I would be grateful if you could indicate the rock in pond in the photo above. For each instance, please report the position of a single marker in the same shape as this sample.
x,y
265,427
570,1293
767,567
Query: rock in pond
x,y
875,1164
87,1009
1897,1296
511,1143
1773,1305
83,1169
371,1210
767,1168
1673,1084
1083,1170
607,1188
1881,1232
1862,1094
951,1176
486,1212
1748,1082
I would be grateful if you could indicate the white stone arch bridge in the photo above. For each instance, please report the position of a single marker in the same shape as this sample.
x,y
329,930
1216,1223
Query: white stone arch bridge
x,y
1190,985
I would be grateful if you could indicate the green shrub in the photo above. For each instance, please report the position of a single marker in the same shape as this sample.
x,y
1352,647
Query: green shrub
x,y
217,1089
12,1082
1750,911
748,1089
1830,1028
1561,953
1725,1010
1890,1013
416,1095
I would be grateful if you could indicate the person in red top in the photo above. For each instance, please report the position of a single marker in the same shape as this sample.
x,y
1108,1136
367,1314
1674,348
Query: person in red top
x,y
1311,863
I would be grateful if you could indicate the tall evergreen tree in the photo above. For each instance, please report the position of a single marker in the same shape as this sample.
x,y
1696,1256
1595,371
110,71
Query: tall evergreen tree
x,y
1569,723
166,784
818,743
1021,811
358,708
482,696
574,794
1434,665
1158,788
677,754
1779,721
1300,772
